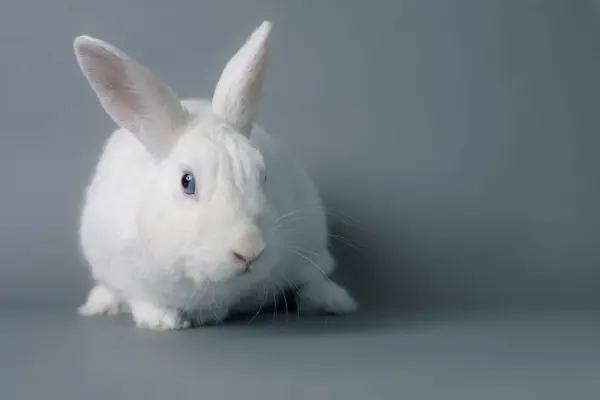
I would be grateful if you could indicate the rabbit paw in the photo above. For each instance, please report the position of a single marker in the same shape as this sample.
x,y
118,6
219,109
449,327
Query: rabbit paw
x,y
149,316
325,296
101,301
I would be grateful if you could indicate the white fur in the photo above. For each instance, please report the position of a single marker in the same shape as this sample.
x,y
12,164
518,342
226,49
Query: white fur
x,y
167,256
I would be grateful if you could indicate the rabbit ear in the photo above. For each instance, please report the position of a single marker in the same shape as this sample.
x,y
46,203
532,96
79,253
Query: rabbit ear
x,y
237,93
131,95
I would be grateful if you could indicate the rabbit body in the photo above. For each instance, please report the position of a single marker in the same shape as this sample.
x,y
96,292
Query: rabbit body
x,y
253,229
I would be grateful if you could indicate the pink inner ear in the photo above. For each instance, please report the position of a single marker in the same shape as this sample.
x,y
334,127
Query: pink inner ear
x,y
108,73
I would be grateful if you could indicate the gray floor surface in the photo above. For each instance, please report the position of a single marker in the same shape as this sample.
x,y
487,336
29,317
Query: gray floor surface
x,y
55,354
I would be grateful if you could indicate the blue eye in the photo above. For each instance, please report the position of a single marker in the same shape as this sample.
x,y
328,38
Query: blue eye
x,y
188,182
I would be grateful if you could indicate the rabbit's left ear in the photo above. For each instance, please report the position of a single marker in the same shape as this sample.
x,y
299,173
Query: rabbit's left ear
x,y
237,93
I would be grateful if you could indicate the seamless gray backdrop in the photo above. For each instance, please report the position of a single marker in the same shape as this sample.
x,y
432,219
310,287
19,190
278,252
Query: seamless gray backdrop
x,y
458,138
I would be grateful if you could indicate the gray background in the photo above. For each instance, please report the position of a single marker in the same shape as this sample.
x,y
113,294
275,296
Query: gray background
x,y
454,141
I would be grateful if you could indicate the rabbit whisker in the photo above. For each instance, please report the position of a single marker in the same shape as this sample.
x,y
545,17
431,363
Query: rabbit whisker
x,y
297,250
353,244
295,290
213,303
274,306
286,304
338,214
290,214
261,306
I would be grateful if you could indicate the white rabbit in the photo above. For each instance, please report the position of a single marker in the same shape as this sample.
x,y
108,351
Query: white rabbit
x,y
195,212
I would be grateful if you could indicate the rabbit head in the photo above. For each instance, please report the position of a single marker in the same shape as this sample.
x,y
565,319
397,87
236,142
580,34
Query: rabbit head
x,y
202,207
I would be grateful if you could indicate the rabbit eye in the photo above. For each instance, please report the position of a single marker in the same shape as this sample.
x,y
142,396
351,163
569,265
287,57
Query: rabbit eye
x,y
188,182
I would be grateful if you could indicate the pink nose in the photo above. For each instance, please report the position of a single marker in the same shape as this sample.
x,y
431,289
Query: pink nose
x,y
247,258
247,244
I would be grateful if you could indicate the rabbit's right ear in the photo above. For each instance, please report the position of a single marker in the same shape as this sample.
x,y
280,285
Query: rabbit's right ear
x,y
131,95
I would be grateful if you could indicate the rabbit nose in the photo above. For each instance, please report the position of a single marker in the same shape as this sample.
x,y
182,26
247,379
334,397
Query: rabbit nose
x,y
247,258
248,245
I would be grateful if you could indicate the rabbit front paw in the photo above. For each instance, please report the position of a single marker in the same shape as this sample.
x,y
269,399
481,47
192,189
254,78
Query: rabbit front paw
x,y
152,317
101,301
